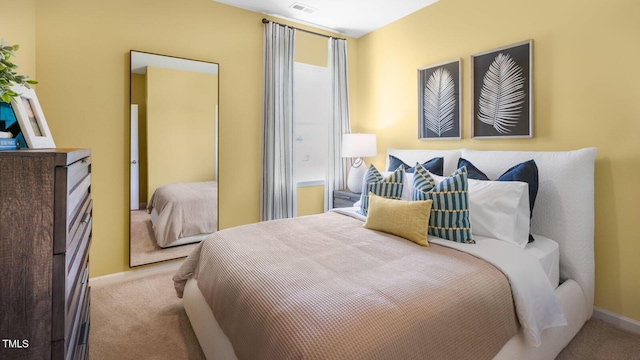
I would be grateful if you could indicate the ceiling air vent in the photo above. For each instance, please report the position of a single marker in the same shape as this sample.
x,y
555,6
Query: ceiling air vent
x,y
303,8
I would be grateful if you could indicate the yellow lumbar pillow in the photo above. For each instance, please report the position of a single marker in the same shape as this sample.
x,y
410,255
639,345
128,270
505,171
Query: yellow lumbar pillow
x,y
408,219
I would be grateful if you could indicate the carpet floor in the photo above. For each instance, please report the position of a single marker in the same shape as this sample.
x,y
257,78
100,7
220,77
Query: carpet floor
x,y
143,319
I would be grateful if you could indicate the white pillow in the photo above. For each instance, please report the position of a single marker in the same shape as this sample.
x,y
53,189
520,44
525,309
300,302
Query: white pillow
x,y
498,209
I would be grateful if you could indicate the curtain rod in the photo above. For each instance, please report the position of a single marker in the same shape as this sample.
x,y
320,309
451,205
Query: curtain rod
x,y
266,21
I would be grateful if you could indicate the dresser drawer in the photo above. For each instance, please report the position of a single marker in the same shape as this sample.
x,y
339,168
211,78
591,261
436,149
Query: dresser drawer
x,y
77,172
77,345
82,345
76,269
69,291
73,197
80,228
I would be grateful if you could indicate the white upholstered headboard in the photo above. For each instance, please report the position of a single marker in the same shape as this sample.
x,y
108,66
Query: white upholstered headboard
x,y
564,207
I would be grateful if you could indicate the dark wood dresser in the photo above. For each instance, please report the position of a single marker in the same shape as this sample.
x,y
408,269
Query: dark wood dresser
x,y
45,234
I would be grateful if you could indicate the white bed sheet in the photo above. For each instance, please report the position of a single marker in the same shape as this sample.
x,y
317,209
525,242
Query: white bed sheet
x,y
547,252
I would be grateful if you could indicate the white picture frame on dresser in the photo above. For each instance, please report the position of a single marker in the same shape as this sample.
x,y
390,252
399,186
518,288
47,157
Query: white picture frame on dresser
x,y
32,122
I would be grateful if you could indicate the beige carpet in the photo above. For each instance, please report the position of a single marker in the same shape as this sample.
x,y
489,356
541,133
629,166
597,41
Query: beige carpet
x,y
143,319
144,249
600,341
140,319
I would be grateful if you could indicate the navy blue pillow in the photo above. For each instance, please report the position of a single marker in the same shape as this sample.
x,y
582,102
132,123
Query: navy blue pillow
x,y
434,166
472,171
526,172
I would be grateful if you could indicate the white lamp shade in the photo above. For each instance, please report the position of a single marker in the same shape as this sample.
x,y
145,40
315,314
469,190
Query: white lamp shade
x,y
359,145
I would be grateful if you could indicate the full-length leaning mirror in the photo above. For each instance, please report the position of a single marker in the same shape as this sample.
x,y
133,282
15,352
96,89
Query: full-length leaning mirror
x,y
174,160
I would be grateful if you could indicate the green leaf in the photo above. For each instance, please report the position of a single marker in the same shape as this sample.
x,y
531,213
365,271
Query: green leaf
x,y
9,64
8,76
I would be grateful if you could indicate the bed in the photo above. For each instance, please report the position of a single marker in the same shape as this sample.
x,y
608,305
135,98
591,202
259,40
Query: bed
x,y
184,213
554,273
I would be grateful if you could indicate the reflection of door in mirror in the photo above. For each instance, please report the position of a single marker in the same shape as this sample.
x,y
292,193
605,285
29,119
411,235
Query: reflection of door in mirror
x,y
173,156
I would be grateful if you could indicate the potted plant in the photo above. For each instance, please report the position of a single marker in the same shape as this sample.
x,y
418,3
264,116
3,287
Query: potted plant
x,y
8,76
10,137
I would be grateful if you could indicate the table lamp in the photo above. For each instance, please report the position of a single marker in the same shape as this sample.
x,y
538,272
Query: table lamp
x,y
358,146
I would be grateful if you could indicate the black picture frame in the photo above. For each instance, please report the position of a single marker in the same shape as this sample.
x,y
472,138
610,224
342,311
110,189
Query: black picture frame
x,y
439,101
502,92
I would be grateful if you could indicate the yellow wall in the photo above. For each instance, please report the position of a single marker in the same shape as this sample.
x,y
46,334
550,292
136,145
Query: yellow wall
x,y
18,26
311,49
83,68
310,200
586,93
180,126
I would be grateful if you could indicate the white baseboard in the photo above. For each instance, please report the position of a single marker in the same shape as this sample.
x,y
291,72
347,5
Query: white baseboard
x,y
616,320
134,274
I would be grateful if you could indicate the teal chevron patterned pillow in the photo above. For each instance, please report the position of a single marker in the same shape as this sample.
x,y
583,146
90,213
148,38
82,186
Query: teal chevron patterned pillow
x,y
450,209
389,187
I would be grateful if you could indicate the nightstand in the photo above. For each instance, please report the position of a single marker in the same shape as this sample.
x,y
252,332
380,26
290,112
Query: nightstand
x,y
344,198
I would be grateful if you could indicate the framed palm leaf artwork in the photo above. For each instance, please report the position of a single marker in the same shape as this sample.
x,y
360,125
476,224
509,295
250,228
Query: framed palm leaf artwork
x,y
439,110
502,92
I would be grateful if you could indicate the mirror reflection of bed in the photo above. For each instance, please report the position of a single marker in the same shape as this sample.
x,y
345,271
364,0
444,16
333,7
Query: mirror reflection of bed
x,y
173,156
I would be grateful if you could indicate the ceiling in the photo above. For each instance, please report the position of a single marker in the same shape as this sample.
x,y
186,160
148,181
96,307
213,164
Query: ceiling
x,y
348,17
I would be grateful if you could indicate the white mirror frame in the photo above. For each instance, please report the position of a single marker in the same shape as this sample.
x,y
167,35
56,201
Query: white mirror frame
x,y
34,129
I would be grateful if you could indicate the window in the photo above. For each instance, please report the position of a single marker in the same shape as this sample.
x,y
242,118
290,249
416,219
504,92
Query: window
x,y
311,114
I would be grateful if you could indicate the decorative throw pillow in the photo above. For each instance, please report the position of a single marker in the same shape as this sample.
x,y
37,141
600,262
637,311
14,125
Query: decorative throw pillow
x,y
389,187
435,165
407,219
407,187
450,209
526,172
423,182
